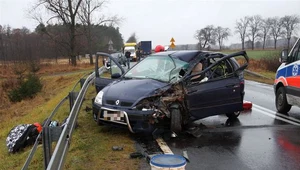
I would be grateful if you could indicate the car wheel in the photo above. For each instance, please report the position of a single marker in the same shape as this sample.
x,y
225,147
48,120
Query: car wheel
x,y
99,123
281,101
176,121
233,115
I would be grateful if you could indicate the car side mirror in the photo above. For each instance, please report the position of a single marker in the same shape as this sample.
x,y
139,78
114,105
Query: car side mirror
x,y
115,75
284,55
182,72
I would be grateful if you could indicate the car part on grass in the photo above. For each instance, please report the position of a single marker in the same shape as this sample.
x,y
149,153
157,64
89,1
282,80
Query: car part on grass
x,y
137,155
117,148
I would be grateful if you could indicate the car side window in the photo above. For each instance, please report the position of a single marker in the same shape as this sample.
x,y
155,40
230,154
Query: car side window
x,y
295,54
197,69
222,69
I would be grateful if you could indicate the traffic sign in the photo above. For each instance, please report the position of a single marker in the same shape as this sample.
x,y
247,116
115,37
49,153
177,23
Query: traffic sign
x,y
110,42
172,40
172,45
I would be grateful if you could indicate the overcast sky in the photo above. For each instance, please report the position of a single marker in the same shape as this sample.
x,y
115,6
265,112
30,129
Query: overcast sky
x,y
160,20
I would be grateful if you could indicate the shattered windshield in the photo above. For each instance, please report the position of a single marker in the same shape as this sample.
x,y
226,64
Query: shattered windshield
x,y
162,68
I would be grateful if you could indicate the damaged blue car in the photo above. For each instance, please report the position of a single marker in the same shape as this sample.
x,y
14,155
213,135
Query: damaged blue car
x,y
170,89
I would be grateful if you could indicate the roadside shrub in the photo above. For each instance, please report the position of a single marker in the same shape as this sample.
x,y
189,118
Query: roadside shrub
x,y
270,64
27,89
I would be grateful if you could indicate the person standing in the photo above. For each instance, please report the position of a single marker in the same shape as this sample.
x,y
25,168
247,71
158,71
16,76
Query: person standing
x,y
138,55
127,55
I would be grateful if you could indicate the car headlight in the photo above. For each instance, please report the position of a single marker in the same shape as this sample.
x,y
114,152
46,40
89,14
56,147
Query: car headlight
x,y
98,98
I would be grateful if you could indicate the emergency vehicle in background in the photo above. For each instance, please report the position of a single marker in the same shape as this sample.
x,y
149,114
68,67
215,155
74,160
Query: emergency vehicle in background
x,y
131,47
287,80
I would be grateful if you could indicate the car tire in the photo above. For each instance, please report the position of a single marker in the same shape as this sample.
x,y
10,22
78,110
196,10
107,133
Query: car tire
x,y
281,101
99,123
233,115
176,125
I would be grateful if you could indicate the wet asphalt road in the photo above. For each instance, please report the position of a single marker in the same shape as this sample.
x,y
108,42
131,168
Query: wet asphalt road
x,y
258,139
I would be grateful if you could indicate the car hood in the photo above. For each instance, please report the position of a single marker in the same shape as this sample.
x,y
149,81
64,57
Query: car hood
x,y
131,90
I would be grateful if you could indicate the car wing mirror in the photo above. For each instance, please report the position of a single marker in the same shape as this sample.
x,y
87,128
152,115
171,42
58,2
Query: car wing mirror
x,y
115,75
182,72
284,55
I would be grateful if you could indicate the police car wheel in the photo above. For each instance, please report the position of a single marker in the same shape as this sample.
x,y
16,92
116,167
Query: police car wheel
x,y
233,115
176,121
281,101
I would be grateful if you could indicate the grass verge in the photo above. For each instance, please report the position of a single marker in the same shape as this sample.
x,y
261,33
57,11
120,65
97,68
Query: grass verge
x,y
90,145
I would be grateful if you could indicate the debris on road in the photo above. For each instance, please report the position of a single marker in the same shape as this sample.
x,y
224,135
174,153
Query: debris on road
x,y
247,105
185,155
163,146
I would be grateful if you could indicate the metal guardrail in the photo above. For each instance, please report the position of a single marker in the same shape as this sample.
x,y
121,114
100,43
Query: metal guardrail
x,y
60,151
56,161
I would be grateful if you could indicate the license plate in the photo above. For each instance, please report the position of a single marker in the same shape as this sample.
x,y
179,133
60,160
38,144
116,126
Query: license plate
x,y
113,115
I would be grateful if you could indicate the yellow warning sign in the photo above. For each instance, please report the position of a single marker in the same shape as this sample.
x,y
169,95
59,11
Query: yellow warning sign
x,y
172,40
172,45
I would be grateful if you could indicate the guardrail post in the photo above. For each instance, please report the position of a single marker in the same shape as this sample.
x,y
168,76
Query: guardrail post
x,y
72,97
49,135
46,138
82,82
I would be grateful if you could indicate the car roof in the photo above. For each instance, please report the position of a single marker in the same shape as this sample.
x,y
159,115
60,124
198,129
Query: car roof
x,y
185,55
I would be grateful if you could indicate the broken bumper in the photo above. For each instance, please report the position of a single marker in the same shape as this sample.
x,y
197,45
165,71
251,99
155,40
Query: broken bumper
x,y
136,121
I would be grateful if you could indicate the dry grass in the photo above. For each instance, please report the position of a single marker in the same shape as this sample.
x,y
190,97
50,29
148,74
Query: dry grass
x,y
91,145
30,111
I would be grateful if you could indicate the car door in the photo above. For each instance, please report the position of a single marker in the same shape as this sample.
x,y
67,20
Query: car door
x,y
116,70
292,71
218,95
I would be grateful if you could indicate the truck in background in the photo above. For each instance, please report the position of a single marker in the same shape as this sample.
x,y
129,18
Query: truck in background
x,y
287,80
131,47
145,48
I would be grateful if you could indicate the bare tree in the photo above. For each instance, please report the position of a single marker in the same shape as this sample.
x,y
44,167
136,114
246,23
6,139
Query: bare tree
x,y
87,17
64,11
2,50
265,29
276,29
241,28
206,36
221,35
289,22
254,28
132,38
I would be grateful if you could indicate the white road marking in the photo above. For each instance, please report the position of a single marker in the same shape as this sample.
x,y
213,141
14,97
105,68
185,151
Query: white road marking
x,y
272,114
279,114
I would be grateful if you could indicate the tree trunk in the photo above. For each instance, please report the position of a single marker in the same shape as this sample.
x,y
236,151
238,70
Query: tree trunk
x,y
243,44
264,42
252,43
72,45
275,43
289,43
90,51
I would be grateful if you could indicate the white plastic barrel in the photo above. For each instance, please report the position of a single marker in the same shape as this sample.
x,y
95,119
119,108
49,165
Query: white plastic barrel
x,y
167,162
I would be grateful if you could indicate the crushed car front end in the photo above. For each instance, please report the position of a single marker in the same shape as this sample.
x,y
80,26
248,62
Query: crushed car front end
x,y
142,98
144,111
